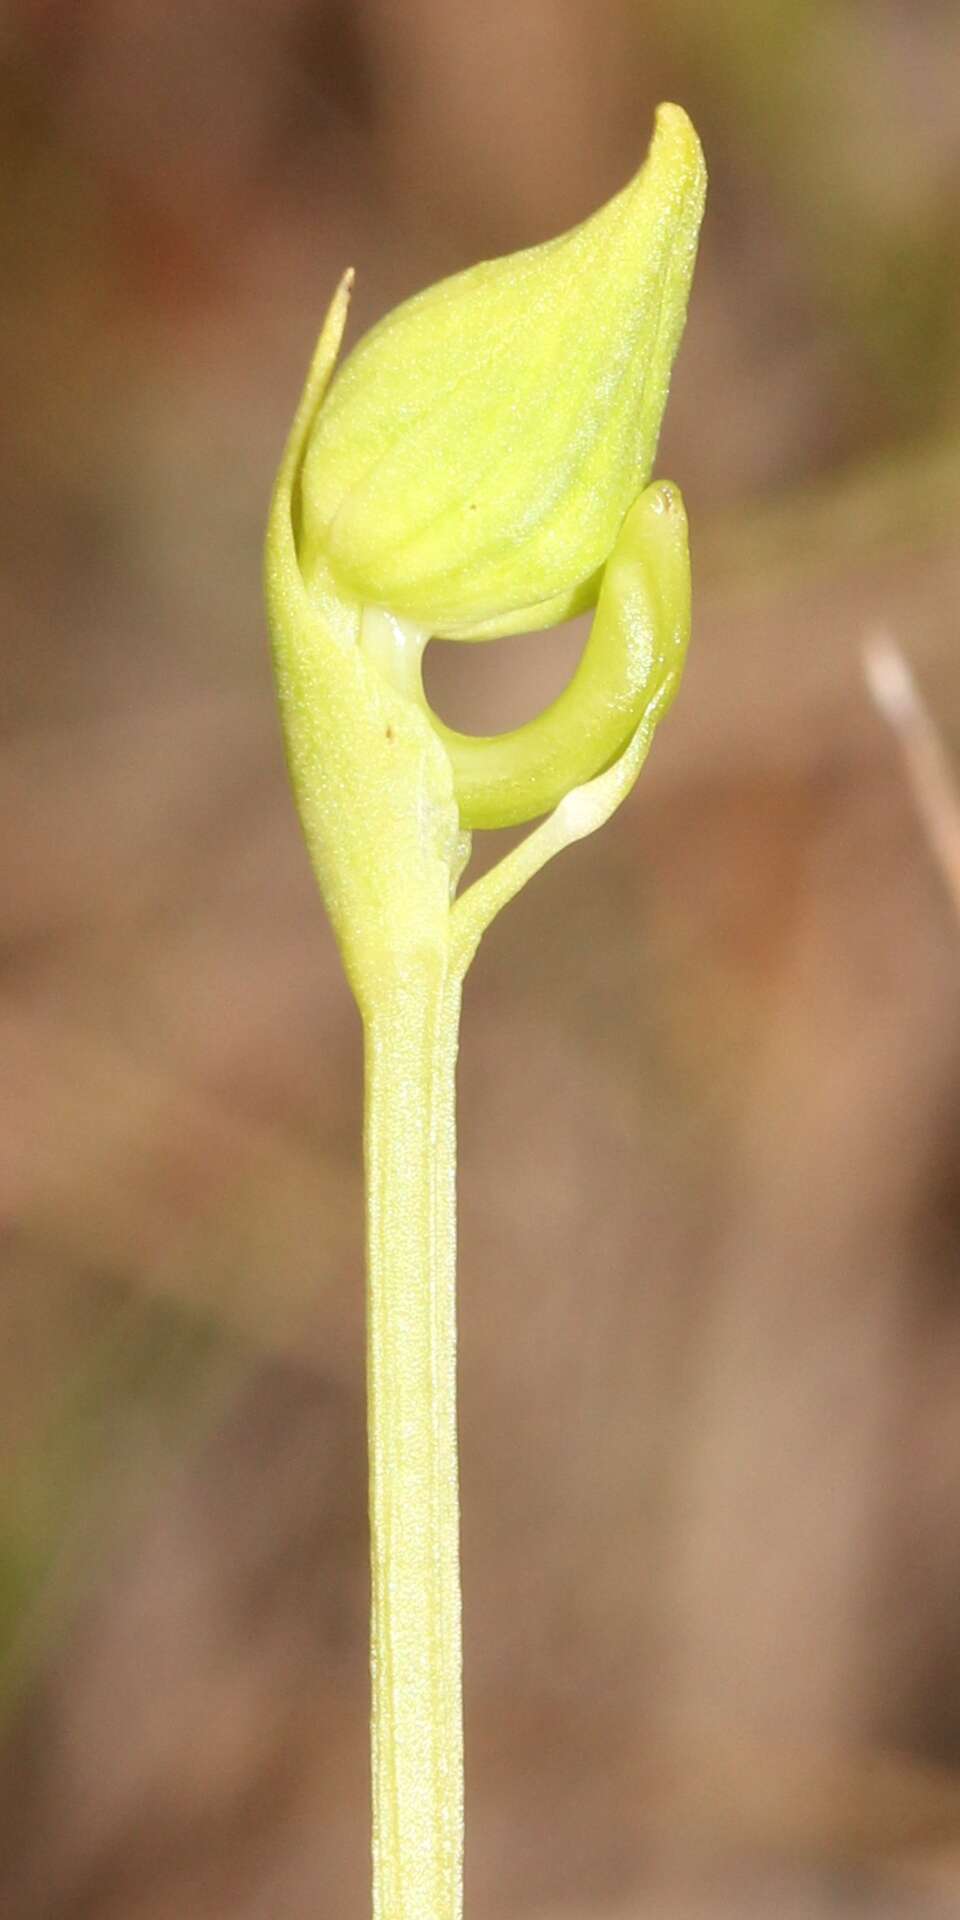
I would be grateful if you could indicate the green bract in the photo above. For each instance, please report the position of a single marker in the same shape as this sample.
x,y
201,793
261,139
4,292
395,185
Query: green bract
x,y
477,452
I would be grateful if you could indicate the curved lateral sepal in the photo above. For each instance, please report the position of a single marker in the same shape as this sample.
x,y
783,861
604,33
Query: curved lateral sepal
x,y
637,642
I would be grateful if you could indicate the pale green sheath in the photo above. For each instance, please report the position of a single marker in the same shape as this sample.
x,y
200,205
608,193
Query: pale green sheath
x,y
479,466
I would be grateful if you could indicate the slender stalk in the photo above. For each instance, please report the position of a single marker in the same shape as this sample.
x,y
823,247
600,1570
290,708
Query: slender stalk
x,y
415,1643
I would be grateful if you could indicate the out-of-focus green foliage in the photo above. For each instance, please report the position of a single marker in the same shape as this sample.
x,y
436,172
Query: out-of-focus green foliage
x,y
813,87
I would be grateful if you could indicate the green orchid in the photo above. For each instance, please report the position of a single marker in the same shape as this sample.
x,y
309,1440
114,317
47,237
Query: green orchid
x,y
480,465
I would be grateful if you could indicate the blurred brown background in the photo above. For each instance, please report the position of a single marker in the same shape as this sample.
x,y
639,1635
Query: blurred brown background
x,y
710,1085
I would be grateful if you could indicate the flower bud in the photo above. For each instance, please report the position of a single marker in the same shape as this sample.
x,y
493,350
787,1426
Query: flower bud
x,y
474,459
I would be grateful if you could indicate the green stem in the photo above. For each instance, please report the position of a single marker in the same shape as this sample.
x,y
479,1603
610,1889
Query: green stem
x,y
415,1647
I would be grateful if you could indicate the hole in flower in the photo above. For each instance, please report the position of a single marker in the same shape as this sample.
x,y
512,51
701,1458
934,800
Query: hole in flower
x,y
490,686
